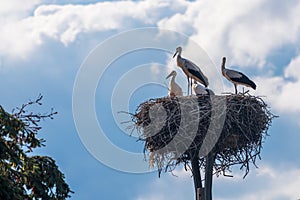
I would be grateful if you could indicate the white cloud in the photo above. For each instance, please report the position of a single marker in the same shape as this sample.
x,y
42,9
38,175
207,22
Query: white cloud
x,y
245,31
65,22
266,183
16,9
12,37
263,30
292,71
155,69
169,187
282,91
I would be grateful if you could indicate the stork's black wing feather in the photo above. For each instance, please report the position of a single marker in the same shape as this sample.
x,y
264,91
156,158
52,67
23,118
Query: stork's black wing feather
x,y
198,75
244,80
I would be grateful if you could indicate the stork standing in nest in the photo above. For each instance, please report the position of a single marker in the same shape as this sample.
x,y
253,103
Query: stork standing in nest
x,y
237,78
191,70
200,90
175,89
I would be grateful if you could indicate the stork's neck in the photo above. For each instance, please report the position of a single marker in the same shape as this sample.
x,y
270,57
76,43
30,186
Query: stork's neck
x,y
179,55
180,60
173,78
223,66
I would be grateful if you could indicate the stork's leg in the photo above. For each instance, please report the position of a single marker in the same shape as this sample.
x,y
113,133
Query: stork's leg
x,y
191,86
235,87
188,78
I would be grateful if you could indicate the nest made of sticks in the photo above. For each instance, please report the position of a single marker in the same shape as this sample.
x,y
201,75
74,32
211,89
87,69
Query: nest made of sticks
x,y
175,129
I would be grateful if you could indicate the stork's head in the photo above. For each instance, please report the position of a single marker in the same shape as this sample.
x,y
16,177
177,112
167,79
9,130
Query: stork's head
x,y
178,50
173,73
223,62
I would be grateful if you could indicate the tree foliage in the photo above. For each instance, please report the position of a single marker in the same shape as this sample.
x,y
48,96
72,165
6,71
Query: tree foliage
x,y
22,175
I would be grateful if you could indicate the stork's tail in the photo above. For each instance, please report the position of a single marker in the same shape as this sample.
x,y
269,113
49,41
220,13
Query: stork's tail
x,y
252,84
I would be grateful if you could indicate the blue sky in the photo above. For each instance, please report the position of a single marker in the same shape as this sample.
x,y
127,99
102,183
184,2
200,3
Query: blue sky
x,y
45,43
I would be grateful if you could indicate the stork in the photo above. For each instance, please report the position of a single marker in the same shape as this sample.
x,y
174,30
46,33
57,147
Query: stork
x,y
237,78
191,70
200,90
175,89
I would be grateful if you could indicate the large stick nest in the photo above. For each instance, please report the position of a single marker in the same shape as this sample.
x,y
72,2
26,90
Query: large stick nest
x,y
175,129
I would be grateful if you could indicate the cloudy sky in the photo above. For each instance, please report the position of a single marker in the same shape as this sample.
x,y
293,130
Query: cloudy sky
x,y
45,44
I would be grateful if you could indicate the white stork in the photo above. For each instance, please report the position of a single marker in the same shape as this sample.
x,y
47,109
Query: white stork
x,y
200,90
237,78
175,89
190,69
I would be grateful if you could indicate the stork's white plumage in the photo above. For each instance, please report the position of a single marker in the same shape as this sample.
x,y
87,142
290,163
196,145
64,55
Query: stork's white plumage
x,y
175,89
191,70
200,90
237,78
